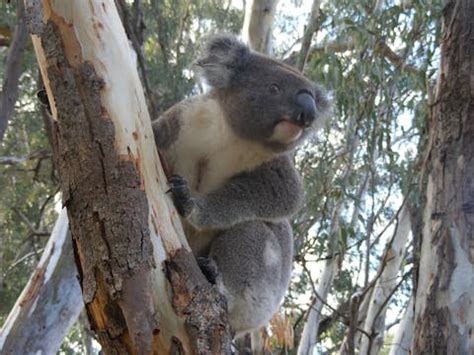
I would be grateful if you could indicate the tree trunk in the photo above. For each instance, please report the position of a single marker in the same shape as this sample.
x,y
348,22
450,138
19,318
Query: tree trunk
x,y
385,286
402,340
258,22
444,306
142,288
49,304
310,330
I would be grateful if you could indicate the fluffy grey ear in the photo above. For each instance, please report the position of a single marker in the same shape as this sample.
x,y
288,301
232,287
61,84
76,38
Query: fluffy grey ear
x,y
221,58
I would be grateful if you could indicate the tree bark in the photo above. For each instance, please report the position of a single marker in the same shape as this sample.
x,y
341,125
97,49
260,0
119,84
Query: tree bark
x,y
258,22
141,285
49,304
444,306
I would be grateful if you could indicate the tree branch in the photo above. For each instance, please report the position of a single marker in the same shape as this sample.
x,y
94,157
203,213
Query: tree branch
x,y
258,24
13,70
12,160
311,29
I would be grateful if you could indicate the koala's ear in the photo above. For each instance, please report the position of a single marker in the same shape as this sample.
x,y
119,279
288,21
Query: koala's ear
x,y
221,58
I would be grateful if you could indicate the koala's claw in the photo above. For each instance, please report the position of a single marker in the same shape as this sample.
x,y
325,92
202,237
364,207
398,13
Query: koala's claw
x,y
209,268
181,195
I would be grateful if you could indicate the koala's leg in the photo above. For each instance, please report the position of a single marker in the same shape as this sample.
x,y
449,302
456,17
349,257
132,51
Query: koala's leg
x,y
254,265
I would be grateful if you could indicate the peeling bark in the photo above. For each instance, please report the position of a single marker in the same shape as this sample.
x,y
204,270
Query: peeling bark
x,y
125,230
49,304
444,307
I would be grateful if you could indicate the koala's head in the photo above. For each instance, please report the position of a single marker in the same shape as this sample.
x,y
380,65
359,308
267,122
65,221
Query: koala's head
x,y
263,99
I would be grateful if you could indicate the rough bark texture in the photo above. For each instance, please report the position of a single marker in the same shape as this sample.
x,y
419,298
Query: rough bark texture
x,y
124,227
191,292
113,247
258,22
444,308
49,304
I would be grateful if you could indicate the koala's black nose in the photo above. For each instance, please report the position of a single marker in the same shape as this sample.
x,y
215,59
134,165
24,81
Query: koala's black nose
x,y
306,109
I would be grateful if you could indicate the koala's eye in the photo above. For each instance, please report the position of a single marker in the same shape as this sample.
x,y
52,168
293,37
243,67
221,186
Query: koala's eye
x,y
274,89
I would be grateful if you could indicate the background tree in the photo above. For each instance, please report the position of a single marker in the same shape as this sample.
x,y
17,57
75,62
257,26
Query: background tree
x,y
443,303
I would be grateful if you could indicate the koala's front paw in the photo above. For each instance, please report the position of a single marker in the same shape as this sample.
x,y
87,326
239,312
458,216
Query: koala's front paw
x,y
209,268
181,195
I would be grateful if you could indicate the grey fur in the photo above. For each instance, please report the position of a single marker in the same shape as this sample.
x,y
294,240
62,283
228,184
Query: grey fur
x,y
243,80
166,128
254,259
220,59
241,222
271,192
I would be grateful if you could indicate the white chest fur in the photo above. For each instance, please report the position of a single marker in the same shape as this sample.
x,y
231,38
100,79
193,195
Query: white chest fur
x,y
207,152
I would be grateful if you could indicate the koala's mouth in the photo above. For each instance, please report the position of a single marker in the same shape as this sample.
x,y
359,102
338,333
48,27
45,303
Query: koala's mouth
x,y
287,131
300,120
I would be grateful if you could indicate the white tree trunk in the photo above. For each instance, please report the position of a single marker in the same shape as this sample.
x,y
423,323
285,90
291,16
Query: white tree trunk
x,y
258,23
310,331
394,255
403,337
141,285
50,302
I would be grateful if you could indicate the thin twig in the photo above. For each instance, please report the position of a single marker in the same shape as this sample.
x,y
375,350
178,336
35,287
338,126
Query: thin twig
x,y
35,231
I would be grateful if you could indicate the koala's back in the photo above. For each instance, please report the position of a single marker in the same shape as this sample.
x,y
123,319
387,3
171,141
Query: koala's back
x,y
207,152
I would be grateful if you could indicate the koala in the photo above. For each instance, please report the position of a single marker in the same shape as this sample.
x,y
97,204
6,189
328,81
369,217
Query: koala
x,y
233,182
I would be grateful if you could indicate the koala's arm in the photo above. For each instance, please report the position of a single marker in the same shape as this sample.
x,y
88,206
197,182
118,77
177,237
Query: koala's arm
x,y
271,192
166,127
